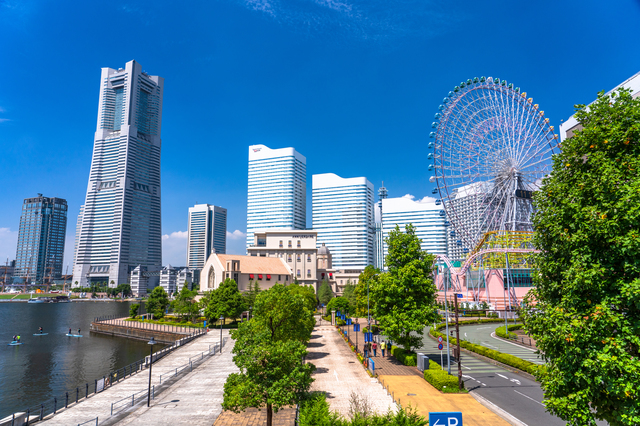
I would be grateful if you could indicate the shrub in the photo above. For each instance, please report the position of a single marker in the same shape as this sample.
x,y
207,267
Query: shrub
x,y
327,318
406,357
500,332
434,365
133,310
442,380
340,322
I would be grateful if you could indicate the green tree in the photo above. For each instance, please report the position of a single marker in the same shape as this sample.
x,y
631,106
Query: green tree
x,y
125,289
325,294
585,312
184,304
339,304
366,279
405,296
251,294
157,302
284,314
133,310
272,373
225,301
349,293
307,294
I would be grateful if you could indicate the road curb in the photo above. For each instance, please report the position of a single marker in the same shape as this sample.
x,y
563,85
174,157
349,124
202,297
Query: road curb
x,y
497,410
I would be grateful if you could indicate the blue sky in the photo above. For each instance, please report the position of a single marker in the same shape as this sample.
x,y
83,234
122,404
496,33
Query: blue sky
x,y
351,84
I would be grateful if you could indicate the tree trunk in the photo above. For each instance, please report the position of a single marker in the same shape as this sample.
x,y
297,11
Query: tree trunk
x,y
269,415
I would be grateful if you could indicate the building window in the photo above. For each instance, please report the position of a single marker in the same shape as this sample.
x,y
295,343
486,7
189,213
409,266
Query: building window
x,y
279,277
340,281
308,258
298,273
308,273
289,258
289,243
298,257
299,244
281,244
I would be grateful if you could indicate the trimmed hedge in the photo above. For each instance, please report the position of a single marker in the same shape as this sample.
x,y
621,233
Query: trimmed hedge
x,y
500,332
406,357
327,318
442,380
434,365
507,359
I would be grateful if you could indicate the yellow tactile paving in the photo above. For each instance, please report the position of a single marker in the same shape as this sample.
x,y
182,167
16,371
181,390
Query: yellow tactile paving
x,y
427,398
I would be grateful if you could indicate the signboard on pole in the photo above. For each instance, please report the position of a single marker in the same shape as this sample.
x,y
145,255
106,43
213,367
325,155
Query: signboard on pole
x,y
356,327
439,339
440,346
445,419
348,321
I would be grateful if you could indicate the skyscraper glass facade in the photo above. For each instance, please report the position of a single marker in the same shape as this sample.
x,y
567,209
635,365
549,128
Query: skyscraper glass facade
x,y
207,234
276,196
120,224
41,235
426,216
343,216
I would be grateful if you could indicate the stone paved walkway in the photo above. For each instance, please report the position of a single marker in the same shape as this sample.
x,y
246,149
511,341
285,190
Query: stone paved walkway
x,y
255,417
194,387
339,374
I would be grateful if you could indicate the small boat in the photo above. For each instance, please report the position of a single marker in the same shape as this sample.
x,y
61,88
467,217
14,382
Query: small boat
x,y
74,335
14,343
40,334
36,300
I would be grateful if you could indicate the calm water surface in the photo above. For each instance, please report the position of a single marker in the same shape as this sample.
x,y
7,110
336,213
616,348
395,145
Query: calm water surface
x,y
48,366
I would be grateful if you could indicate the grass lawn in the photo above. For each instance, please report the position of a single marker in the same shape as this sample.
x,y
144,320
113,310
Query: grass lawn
x,y
27,296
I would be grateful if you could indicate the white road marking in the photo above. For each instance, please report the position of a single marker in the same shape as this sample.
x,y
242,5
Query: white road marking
x,y
516,381
482,328
504,377
514,344
464,366
528,397
491,346
335,373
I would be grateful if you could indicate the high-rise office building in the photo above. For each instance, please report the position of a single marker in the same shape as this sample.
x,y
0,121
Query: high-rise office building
x,y
207,233
344,218
378,246
276,196
78,229
43,226
121,220
466,203
426,217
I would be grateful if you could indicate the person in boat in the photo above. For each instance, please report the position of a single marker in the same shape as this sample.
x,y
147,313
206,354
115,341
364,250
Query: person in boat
x,y
40,330
18,339
69,331
78,332
14,338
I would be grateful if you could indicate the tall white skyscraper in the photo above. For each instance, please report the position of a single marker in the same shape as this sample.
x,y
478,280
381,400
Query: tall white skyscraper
x,y
121,220
427,217
276,196
344,218
207,233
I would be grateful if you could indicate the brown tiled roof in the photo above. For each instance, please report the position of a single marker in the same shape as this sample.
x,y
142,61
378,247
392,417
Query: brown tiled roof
x,y
256,264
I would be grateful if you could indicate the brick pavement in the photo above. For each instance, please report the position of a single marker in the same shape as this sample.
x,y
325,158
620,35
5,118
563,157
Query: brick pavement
x,y
255,417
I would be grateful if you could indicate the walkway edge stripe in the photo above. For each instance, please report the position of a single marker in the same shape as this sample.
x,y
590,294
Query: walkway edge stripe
x,y
493,334
497,410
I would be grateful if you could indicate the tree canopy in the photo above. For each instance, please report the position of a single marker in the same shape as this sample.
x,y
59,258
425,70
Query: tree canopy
x,y
157,302
349,293
405,295
339,304
585,307
307,293
225,301
284,313
325,294
367,277
184,304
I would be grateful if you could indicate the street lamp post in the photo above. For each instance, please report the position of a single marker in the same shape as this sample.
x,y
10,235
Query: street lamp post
x,y
150,343
250,307
221,318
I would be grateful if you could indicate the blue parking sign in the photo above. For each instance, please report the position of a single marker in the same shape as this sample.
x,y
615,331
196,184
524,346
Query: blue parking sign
x,y
445,419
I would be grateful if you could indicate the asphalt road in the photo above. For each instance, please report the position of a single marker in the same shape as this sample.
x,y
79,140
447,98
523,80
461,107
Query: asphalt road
x,y
481,335
514,393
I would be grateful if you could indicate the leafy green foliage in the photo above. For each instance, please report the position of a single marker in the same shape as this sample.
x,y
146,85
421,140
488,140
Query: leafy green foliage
x,y
339,304
405,296
406,357
307,293
284,314
501,332
325,294
225,301
585,308
251,294
133,310
349,293
272,373
157,302
442,380
184,304
366,278
314,411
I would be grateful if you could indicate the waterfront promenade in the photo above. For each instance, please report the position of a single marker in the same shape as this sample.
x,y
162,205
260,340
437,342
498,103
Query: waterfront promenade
x,y
193,397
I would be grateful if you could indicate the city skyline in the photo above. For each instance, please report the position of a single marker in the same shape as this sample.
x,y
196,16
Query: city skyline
x,y
355,92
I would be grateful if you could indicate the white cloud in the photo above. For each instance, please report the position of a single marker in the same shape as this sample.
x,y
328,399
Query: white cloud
x,y
236,235
174,248
8,244
422,200
4,120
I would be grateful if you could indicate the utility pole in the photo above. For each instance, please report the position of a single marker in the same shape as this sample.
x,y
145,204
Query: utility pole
x,y
446,313
458,343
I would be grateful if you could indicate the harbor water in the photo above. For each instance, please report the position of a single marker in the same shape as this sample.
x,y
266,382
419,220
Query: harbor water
x,y
44,367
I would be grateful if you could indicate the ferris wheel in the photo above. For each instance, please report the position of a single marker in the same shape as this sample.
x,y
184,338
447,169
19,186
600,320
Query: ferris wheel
x,y
492,148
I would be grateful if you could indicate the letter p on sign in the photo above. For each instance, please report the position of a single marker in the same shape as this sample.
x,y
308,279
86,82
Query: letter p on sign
x,y
445,419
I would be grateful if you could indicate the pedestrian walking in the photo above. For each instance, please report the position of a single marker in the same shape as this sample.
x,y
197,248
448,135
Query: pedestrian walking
x,y
383,346
375,349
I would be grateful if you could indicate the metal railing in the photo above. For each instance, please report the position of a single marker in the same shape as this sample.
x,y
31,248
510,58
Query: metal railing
x,y
130,401
165,328
213,349
52,406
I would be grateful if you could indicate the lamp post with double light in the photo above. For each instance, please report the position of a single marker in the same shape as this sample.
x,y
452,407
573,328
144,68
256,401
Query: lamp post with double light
x,y
150,343
221,318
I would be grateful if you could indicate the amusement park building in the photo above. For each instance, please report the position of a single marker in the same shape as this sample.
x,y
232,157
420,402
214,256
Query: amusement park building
x,y
569,127
276,195
344,218
425,216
